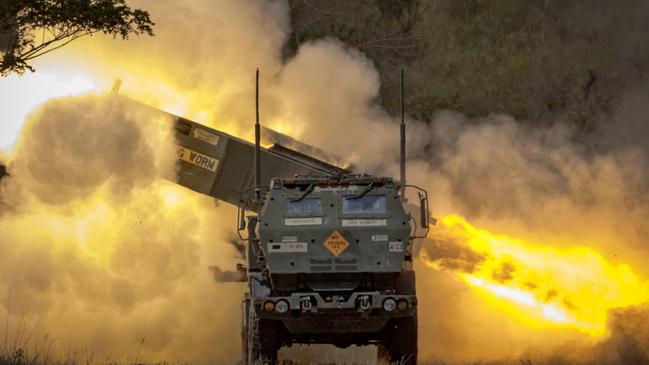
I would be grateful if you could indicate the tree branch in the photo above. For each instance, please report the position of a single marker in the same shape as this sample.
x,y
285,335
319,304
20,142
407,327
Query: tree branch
x,y
57,47
321,14
59,22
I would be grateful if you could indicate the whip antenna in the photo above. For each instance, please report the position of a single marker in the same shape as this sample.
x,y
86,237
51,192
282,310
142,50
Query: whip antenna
x,y
257,142
403,141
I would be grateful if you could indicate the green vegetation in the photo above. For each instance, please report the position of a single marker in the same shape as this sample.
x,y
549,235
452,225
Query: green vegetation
x,y
32,28
536,60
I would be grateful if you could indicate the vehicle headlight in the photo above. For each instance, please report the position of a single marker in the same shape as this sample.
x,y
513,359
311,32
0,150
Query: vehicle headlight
x,y
389,305
281,306
402,304
269,306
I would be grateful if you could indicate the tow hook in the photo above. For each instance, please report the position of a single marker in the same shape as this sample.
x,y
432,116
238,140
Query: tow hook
x,y
339,300
305,304
364,303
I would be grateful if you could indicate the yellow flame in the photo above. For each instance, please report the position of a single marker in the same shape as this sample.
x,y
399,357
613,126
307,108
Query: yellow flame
x,y
543,286
171,195
20,95
285,127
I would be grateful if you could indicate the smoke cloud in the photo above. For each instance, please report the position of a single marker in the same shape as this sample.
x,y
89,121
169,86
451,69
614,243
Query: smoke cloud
x,y
99,253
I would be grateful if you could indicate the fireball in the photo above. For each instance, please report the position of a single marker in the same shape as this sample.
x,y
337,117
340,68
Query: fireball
x,y
545,286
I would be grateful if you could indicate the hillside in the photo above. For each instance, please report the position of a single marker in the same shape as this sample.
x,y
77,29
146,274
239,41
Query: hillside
x,y
540,61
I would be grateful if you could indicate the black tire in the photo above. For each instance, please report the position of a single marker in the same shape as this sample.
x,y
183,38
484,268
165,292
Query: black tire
x,y
263,340
383,353
401,340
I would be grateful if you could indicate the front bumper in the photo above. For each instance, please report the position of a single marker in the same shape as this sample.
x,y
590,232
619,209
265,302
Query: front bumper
x,y
370,303
316,322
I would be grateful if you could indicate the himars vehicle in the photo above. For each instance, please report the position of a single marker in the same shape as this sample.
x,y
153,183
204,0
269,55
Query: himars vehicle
x,y
329,261
328,252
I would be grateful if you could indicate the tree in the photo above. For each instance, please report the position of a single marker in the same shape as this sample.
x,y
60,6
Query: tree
x,y
32,28
539,61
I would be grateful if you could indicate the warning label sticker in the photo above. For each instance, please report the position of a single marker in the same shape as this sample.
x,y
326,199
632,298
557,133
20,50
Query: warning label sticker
x,y
288,247
336,243
379,237
364,222
197,159
303,221
206,136
396,247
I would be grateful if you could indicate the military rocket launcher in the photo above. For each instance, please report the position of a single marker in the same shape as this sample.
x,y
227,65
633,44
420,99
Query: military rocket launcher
x,y
328,250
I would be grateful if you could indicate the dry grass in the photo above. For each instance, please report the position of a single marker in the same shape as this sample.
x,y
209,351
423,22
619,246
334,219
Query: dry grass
x,y
23,348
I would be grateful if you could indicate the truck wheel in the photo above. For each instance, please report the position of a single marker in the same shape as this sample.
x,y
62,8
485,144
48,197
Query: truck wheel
x,y
263,340
402,340
383,353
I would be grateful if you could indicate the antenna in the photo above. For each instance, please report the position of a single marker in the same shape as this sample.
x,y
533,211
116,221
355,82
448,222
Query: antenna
x,y
257,143
403,142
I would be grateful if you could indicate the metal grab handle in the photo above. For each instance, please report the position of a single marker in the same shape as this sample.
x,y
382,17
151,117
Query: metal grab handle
x,y
424,212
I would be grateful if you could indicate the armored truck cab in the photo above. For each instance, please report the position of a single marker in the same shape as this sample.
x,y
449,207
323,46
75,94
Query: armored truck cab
x,y
328,253
329,261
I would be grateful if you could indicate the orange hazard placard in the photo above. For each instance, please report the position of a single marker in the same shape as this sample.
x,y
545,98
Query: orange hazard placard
x,y
336,243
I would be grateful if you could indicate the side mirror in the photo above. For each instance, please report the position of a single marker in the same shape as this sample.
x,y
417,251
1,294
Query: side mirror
x,y
423,210
241,225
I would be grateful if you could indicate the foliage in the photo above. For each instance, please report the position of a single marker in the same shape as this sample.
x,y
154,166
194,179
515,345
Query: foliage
x,y
32,28
535,60
382,29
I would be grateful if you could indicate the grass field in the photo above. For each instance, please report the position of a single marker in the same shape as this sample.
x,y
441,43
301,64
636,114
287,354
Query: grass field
x,y
20,357
23,347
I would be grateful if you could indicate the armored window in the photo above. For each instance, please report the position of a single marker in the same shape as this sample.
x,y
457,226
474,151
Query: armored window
x,y
306,205
368,204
